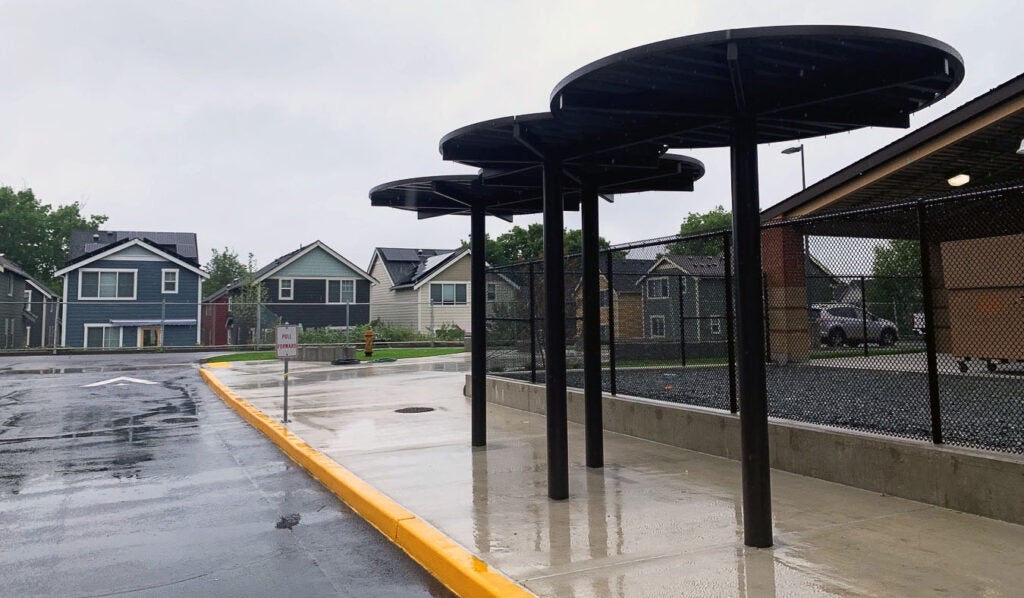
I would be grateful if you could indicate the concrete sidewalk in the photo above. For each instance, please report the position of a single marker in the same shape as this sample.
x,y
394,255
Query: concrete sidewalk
x,y
657,521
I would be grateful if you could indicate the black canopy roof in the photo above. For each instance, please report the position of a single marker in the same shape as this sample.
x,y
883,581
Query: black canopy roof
x,y
508,193
514,141
799,81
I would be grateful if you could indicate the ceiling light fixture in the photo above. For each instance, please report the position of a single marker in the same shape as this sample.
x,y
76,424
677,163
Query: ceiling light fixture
x,y
959,180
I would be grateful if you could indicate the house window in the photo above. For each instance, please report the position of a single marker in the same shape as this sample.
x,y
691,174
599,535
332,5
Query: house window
x,y
285,289
658,326
657,288
102,336
341,291
716,325
170,280
492,292
106,284
448,293
28,301
10,286
682,284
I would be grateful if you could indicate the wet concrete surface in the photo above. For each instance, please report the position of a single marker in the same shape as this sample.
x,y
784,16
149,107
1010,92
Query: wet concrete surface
x,y
656,521
161,490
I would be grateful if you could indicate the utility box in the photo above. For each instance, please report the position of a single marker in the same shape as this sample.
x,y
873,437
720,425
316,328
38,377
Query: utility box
x,y
984,279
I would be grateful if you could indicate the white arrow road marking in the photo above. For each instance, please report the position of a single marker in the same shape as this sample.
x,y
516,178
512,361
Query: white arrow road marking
x,y
120,379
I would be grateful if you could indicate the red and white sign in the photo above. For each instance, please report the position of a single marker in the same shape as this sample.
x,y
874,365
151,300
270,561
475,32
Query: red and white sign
x,y
287,341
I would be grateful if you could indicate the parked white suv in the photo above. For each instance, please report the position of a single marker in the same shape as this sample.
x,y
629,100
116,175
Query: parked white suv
x,y
841,323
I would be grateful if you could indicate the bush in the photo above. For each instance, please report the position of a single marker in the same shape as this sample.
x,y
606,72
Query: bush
x,y
449,332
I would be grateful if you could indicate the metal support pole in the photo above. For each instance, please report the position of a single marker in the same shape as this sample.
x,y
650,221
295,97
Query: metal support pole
x,y
730,328
554,332
929,324
285,420
533,327
746,219
478,316
682,322
612,387
56,323
863,317
593,419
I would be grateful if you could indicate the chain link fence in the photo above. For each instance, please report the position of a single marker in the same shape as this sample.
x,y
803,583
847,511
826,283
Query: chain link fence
x,y
905,320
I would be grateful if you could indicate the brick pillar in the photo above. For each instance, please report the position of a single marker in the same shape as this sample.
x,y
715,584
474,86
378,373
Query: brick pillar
x,y
782,259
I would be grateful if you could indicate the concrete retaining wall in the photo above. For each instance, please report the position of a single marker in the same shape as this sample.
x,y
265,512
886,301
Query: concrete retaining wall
x,y
980,482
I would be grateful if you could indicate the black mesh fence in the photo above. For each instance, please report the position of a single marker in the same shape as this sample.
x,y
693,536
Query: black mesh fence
x,y
906,320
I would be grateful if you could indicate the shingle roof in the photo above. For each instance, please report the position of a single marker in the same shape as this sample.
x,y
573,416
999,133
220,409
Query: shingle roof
x,y
626,273
7,264
183,245
699,265
404,265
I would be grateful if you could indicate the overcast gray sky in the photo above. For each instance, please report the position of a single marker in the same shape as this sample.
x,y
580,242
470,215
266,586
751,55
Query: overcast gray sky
x,y
261,125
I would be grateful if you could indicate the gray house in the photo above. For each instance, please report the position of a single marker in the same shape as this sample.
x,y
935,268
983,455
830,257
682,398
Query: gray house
x,y
131,289
28,309
688,289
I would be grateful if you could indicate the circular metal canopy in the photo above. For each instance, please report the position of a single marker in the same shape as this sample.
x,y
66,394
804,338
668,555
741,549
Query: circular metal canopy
x,y
515,141
799,82
507,193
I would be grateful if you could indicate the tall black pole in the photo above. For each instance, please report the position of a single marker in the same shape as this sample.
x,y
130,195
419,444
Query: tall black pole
x,y
929,323
594,422
554,332
478,317
533,327
750,337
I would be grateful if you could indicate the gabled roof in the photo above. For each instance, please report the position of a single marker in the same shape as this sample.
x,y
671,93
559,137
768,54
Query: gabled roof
x,y
410,268
282,262
289,258
117,246
979,137
691,265
182,245
6,265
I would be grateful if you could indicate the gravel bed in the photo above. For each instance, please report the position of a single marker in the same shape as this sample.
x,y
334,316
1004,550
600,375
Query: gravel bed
x,y
977,411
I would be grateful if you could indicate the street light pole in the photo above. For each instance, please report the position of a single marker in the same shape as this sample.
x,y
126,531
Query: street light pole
x,y
799,149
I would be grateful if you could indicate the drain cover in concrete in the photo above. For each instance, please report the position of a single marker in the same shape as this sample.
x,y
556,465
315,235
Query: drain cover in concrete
x,y
414,409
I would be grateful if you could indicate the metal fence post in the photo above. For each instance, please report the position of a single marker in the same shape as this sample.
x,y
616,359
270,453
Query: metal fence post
x,y
533,328
730,332
682,321
612,387
863,317
929,323
767,322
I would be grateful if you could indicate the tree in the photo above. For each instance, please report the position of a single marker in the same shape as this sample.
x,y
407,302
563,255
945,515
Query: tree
x,y
224,267
715,220
897,280
36,236
523,244
247,307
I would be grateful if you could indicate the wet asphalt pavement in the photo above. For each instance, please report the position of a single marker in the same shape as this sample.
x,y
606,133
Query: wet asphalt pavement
x,y
161,490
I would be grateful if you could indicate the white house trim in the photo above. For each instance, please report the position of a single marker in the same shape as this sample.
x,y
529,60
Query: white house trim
x,y
199,313
85,334
135,284
133,243
64,316
163,281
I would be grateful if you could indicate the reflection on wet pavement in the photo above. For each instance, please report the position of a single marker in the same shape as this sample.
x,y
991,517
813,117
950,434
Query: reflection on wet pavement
x,y
656,521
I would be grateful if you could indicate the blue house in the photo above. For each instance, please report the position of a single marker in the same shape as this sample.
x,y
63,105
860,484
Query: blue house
x,y
132,289
313,286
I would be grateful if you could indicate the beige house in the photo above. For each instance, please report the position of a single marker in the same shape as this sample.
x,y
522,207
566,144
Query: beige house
x,y
425,289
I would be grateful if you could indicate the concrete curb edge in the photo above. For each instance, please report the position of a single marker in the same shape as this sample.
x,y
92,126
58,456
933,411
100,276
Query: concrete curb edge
x,y
442,557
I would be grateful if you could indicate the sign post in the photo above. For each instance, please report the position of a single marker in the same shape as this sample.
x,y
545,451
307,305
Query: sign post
x,y
286,346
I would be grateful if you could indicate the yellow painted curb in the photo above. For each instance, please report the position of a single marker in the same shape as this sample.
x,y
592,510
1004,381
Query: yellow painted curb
x,y
442,557
218,364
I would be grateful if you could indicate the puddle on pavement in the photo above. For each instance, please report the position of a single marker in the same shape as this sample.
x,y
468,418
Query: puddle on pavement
x,y
310,376
91,370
